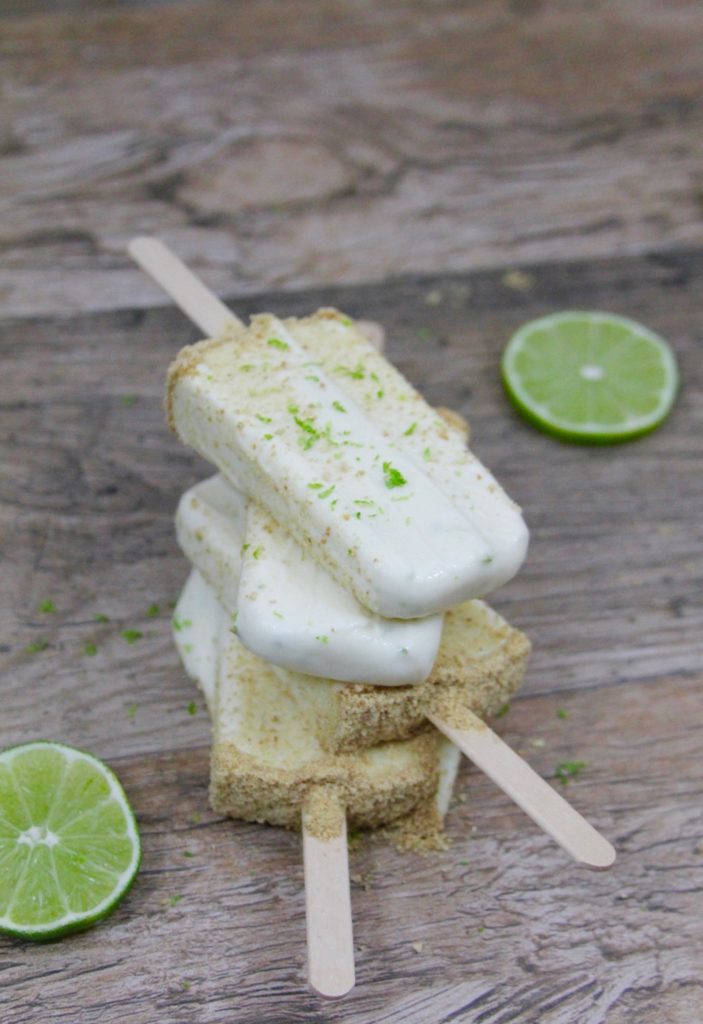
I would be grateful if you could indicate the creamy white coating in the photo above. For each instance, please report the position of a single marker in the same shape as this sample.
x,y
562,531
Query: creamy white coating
x,y
198,625
286,608
410,530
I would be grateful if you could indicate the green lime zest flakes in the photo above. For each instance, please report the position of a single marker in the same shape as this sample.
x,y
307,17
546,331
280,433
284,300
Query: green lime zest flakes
x,y
347,321
316,487
323,639
268,437
46,607
245,547
131,635
247,367
427,455
380,393
132,710
358,373
310,432
37,647
502,712
411,430
562,713
153,611
188,853
279,615
277,343
312,377
392,477
487,559
102,618
326,493
180,624
128,400
175,900
568,770
264,419
258,552
338,406
192,708
90,649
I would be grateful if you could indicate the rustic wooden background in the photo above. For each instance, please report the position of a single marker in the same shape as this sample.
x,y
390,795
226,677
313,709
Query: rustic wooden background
x,y
525,157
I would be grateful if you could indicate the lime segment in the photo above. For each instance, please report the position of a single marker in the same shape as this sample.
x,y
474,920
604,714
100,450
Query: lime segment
x,y
590,377
69,845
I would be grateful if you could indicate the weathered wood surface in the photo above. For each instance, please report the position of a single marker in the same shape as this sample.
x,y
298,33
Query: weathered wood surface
x,y
507,928
293,144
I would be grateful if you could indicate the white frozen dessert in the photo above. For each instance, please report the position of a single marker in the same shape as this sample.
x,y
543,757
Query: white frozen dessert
x,y
266,757
287,608
308,419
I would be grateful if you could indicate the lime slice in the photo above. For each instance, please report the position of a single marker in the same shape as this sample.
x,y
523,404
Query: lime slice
x,y
590,377
69,845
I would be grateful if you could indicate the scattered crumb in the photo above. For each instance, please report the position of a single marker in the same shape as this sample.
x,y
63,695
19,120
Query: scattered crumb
x,y
185,985
538,742
433,297
418,946
518,281
421,831
128,400
196,819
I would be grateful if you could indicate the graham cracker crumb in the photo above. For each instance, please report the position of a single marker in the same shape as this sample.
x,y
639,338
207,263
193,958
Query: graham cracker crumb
x,y
323,813
421,831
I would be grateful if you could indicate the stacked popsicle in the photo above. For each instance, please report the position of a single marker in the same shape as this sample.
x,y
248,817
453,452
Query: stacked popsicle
x,y
333,615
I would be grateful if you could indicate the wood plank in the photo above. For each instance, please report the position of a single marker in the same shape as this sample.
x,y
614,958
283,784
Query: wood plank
x,y
285,146
507,928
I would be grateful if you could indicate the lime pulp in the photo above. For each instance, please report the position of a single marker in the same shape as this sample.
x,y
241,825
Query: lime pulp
x,y
69,844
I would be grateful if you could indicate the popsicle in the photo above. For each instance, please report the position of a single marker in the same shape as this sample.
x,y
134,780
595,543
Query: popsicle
x,y
287,608
350,460
266,753
480,662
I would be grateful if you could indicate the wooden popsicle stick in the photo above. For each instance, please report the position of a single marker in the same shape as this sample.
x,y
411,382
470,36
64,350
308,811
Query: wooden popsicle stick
x,y
327,896
529,790
188,292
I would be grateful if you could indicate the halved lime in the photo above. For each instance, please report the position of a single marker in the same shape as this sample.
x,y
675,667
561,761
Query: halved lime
x,y
69,845
590,377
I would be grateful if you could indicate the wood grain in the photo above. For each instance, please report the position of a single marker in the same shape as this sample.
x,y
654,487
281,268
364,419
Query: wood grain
x,y
502,928
292,144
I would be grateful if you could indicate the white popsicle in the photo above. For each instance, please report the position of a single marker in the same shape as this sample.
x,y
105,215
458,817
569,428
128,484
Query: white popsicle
x,y
370,481
287,608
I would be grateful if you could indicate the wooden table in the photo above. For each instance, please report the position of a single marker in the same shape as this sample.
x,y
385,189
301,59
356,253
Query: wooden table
x,y
399,140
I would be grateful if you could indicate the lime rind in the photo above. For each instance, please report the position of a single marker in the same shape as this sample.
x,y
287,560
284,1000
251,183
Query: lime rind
x,y
69,904
655,360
